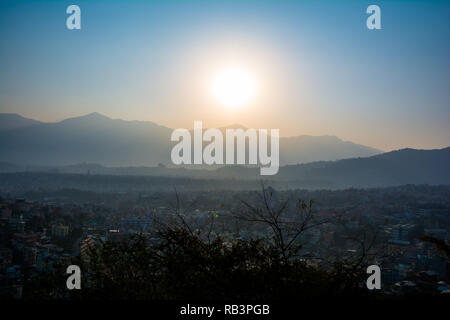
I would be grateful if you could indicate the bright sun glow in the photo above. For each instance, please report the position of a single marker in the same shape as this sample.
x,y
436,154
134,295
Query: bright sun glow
x,y
234,87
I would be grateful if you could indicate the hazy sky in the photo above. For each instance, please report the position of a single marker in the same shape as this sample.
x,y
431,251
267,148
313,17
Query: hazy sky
x,y
318,69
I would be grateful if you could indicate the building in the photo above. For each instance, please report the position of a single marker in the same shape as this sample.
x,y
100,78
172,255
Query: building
x,y
60,231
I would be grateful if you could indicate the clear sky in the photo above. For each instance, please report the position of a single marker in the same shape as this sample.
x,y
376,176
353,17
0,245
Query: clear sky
x,y
317,68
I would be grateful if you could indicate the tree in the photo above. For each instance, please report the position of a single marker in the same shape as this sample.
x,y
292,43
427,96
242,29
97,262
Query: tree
x,y
286,223
440,244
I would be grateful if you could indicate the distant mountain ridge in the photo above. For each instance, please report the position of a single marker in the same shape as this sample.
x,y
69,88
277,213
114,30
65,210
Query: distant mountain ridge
x,y
96,138
401,167
14,121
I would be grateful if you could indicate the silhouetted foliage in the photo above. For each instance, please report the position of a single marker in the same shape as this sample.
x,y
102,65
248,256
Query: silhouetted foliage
x,y
440,244
176,262
179,265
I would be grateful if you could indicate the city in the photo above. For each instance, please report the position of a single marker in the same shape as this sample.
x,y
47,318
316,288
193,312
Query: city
x,y
41,229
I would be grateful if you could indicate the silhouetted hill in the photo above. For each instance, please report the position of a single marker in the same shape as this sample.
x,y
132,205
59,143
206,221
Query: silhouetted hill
x,y
321,148
95,138
92,138
407,166
13,121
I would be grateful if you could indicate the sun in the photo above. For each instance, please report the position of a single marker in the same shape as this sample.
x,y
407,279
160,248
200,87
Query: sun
x,y
234,87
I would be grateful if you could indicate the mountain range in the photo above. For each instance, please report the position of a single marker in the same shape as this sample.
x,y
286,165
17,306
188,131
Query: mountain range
x,y
95,138
103,146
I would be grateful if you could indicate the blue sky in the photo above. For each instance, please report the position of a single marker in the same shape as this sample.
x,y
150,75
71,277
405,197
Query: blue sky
x,y
321,70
